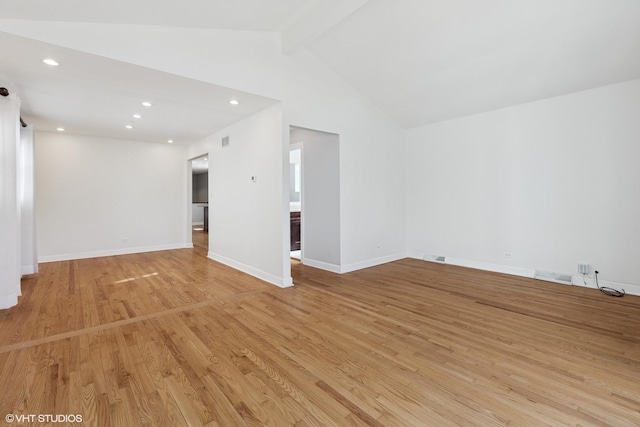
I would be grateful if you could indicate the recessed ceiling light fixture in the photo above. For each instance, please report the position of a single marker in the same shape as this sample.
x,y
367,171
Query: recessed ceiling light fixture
x,y
146,104
234,102
137,116
170,141
51,62
60,129
128,126
206,158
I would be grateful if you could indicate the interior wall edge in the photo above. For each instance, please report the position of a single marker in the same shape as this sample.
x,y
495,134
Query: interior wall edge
x,y
272,279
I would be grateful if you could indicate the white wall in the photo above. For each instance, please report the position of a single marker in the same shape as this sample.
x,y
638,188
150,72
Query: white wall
x,y
371,159
247,219
553,182
92,193
197,213
371,216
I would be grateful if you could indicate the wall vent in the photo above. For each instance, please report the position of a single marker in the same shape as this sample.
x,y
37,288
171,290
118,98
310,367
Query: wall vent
x,y
435,258
550,276
225,141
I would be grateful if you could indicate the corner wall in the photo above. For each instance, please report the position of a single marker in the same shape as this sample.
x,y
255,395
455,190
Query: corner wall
x,y
551,183
246,218
371,159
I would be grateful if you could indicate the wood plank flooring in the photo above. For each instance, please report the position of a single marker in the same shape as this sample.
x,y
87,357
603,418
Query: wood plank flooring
x,y
172,338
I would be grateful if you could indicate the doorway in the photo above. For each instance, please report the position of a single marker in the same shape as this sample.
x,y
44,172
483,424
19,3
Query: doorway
x,y
295,200
199,194
314,197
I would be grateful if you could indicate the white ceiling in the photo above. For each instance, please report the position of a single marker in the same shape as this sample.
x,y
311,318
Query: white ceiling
x,y
424,61
256,15
421,61
92,95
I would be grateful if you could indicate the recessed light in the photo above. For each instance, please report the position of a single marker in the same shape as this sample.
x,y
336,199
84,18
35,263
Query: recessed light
x,y
206,158
234,102
51,62
129,126
146,104
60,129
137,116
170,141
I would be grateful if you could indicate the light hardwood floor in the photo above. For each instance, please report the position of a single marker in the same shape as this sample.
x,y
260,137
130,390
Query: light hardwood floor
x,y
172,338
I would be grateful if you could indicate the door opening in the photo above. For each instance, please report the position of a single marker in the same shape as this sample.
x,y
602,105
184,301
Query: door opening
x,y
199,193
295,199
314,201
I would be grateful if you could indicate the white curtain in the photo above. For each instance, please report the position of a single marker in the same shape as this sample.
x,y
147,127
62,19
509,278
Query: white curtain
x,y
10,186
29,254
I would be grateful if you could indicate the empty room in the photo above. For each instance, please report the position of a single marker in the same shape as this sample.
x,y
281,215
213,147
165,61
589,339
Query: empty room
x,y
320,213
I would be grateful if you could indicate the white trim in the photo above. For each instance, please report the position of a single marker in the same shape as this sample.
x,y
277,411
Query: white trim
x,y
497,268
111,252
189,246
197,223
416,255
321,265
530,273
8,301
29,269
371,262
252,271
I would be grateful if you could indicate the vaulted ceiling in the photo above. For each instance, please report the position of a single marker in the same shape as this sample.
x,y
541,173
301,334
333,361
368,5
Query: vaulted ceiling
x,y
425,61
421,61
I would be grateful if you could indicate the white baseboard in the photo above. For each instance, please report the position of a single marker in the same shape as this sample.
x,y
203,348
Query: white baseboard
x,y
110,252
252,271
461,262
371,262
8,301
197,223
529,272
321,265
416,255
496,268
29,269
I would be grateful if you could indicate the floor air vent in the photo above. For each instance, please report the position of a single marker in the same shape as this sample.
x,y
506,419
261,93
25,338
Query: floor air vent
x,y
435,258
550,276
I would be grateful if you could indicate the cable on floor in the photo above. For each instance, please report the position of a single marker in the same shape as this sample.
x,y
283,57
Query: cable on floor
x,y
608,291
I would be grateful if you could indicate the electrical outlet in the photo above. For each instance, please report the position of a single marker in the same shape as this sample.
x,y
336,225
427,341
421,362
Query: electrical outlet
x,y
508,255
583,268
